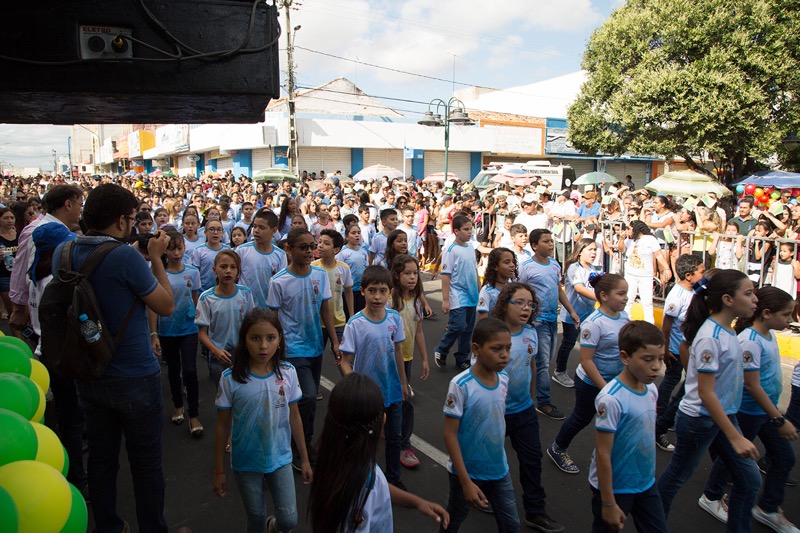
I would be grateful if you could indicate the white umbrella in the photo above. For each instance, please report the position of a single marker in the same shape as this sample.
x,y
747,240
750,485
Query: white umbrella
x,y
438,177
376,172
687,183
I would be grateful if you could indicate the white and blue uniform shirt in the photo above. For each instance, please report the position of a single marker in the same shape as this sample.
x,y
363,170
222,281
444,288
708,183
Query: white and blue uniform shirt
x,y
631,417
185,284
376,517
223,315
676,305
458,262
357,260
601,332
372,345
339,278
487,298
545,278
298,300
367,234
377,246
261,434
258,268
524,346
190,247
412,236
203,258
761,354
715,350
482,430
796,376
577,275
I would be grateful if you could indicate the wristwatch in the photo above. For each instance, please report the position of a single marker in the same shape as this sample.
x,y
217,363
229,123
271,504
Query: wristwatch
x,y
778,421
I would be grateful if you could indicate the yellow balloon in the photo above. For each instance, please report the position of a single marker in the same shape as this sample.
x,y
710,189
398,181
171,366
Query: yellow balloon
x,y
40,375
50,450
41,494
39,414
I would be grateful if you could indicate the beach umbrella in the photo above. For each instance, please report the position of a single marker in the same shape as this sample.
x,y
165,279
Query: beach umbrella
x,y
687,183
376,172
439,177
771,178
595,178
274,174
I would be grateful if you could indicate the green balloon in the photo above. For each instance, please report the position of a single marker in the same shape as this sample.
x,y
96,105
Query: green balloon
x,y
78,518
15,396
33,391
19,343
9,516
14,359
19,439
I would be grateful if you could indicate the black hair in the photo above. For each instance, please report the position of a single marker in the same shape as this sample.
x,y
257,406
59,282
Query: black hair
x,y
398,265
605,284
268,215
175,237
500,307
459,221
236,259
686,265
142,216
285,211
349,220
362,208
239,228
490,275
486,329
295,234
105,205
335,236
18,209
376,275
347,455
537,234
55,198
241,358
709,301
386,213
637,334
390,254
770,299
639,228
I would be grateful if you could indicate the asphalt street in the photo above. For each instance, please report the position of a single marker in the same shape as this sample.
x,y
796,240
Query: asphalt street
x,y
189,463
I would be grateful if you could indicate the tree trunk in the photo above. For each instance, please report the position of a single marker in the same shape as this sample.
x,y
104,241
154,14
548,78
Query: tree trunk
x,y
694,166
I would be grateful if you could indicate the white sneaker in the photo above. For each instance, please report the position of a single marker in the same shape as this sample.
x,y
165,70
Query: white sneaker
x,y
563,379
775,520
716,508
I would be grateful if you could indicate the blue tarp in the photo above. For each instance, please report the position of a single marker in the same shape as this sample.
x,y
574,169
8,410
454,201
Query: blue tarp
x,y
771,178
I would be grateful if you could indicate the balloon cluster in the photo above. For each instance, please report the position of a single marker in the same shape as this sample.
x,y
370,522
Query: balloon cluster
x,y
766,196
34,494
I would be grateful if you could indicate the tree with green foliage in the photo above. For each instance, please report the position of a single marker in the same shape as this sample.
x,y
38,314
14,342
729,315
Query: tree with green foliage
x,y
691,78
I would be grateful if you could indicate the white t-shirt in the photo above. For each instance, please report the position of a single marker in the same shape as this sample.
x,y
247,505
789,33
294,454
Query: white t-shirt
x,y
376,517
639,255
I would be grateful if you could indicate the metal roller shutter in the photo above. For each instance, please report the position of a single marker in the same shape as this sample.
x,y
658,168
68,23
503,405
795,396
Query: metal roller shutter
x,y
262,158
580,166
620,169
224,164
457,162
185,167
310,159
334,159
384,156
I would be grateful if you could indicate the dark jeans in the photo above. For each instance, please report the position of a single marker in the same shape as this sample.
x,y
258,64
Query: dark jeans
x,y
408,412
71,424
793,411
695,436
215,369
359,302
523,428
781,456
672,377
460,323
339,330
129,407
180,354
499,492
568,340
645,507
666,418
393,431
308,370
582,415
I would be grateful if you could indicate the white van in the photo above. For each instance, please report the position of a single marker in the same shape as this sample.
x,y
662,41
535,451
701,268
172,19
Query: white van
x,y
559,177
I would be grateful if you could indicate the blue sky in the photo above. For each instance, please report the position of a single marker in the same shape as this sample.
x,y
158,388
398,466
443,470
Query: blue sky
x,y
496,44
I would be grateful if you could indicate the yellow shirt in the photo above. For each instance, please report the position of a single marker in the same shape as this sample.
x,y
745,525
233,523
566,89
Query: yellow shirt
x,y
339,277
411,318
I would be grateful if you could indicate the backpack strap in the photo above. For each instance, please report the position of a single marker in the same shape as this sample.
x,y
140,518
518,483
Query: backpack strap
x,y
94,259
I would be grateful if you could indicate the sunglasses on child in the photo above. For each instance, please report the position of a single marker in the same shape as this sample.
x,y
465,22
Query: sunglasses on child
x,y
306,247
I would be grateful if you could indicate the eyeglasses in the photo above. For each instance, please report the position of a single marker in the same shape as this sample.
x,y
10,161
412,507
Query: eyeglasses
x,y
306,247
524,304
214,230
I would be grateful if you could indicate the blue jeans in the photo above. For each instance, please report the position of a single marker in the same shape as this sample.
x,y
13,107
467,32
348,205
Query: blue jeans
x,y
671,379
666,418
781,456
568,340
499,492
393,431
180,354
695,436
308,370
548,333
252,487
460,322
523,428
129,407
215,368
645,508
582,414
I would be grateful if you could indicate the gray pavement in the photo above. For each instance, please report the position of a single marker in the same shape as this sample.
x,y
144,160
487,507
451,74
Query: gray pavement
x,y
189,464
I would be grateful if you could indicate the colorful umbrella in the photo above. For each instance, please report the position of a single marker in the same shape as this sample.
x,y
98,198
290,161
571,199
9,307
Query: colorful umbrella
x,y
771,178
274,174
687,183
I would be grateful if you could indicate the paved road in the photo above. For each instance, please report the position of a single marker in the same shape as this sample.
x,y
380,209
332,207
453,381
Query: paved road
x,y
189,465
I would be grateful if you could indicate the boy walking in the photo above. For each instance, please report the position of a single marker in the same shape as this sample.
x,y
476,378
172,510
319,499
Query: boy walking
x,y
377,246
371,346
459,294
341,281
623,470
260,259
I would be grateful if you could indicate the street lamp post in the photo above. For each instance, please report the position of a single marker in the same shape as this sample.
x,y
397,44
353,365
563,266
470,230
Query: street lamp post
x,y
453,114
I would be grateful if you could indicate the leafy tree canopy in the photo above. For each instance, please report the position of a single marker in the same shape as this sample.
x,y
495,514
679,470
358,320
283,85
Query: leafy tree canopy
x,y
687,77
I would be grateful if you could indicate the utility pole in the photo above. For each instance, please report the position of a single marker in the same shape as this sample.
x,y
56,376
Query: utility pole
x,y
294,160
55,162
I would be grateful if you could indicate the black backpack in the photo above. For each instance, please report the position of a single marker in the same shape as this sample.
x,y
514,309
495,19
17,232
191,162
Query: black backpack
x,y
69,295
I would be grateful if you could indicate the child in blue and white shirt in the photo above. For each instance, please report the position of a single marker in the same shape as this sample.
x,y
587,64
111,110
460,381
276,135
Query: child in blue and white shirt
x,y
261,260
623,469
501,268
371,346
357,258
203,256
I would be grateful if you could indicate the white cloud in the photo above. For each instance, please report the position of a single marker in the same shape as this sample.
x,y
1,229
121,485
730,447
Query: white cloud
x,y
31,145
